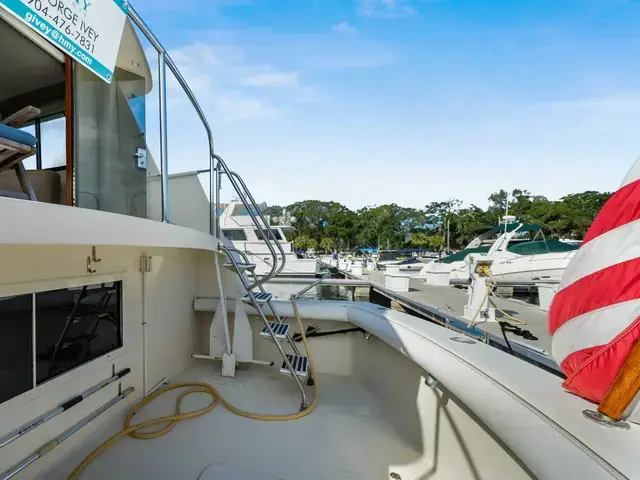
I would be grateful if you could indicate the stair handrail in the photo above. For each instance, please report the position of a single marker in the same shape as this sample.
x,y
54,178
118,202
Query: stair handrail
x,y
232,178
267,325
266,224
310,286
245,259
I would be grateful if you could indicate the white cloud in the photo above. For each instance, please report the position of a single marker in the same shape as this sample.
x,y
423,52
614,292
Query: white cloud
x,y
172,5
225,81
236,106
343,28
384,8
273,79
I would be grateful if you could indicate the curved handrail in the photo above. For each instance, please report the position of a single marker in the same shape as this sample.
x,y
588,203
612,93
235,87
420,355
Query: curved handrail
x,y
214,180
266,224
214,227
272,273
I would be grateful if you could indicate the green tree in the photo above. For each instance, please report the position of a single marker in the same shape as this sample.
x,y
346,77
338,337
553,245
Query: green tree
x,y
435,242
317,219
332,225
420,240
272,211
327,244
301,242
381,226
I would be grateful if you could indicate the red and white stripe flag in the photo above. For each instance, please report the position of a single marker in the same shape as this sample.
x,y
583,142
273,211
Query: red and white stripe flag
x,y
594,318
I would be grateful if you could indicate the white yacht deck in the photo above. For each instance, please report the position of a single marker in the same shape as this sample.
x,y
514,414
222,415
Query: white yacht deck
x,y
345,437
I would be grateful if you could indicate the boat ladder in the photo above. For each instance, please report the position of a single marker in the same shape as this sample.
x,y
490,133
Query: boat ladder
x,y
255,295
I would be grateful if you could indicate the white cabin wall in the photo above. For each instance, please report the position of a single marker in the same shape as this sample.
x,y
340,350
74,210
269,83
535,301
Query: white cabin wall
x,y
171,329
37,268
172,334
188,202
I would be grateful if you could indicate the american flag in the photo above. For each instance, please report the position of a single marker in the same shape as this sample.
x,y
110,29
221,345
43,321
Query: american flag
x,y
594,318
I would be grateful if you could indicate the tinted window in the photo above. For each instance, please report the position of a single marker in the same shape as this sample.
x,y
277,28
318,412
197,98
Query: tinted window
x,y
237,235
275,232
74,326
16,321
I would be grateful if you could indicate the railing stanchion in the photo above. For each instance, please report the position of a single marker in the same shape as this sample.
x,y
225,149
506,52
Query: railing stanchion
x,y
164,160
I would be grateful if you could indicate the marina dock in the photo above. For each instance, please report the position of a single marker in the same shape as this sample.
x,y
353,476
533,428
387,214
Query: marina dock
x,y
445,305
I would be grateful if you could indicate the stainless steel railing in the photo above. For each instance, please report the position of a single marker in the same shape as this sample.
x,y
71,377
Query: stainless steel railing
x,y
165,60
215,171
311,285
257,217
272,235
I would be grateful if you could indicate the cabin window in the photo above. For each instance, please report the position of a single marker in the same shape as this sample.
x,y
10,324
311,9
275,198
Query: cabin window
x,y
16,342
235,235
276,232
45,334
34,76
51,138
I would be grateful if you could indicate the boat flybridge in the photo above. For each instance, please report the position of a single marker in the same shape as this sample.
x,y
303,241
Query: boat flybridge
x,y
127,317
238,226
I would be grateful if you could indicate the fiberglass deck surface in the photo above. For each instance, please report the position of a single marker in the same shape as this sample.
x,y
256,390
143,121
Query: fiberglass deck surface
x,y
451,300
345,437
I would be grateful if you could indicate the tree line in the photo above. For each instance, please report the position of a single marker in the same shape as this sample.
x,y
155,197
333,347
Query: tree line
x,y
332,226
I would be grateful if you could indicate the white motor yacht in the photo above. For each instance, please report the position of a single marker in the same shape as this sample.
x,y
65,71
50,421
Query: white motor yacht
x,y
239,226
523,262
515,261
135,347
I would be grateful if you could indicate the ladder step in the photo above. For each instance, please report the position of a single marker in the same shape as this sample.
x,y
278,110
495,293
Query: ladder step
x,y
259,297
280,329
241,266
299,363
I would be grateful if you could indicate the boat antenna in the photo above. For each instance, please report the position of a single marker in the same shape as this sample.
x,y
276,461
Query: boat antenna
x,y
506,212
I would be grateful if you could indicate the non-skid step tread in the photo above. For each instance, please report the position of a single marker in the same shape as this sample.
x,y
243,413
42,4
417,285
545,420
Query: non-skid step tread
x,y
258,297
279,329
299,363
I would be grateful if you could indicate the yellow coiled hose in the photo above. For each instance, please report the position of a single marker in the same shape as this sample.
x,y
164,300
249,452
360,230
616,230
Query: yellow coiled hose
x,y
171,421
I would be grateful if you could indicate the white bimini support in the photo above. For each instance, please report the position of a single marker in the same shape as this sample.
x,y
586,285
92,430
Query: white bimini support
x,y
478,308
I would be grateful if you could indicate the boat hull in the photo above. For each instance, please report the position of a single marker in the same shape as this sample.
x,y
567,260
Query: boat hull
x,y
520,270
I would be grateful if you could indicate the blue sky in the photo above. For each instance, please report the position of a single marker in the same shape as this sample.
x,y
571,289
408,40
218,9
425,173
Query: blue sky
x,y
375,101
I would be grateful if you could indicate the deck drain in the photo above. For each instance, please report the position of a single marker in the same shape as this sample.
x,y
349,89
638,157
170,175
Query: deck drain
x,y
463,340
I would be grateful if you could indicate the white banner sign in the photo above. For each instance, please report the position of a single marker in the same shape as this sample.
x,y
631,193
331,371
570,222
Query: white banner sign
x,y
87,30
